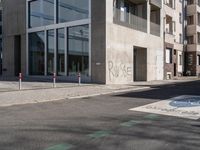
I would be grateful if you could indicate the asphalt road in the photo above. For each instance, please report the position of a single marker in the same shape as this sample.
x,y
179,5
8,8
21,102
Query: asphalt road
x,y
100,123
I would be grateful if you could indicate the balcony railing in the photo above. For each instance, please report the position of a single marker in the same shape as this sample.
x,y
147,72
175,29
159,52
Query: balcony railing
x,y
155,29
158,3
129,20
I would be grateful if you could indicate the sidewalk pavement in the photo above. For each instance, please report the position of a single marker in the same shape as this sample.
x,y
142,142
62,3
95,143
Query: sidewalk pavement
x,y
37,92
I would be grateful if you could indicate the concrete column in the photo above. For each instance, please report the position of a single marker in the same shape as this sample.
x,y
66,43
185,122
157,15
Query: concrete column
x,y
55,52
174,4
148,16
162,20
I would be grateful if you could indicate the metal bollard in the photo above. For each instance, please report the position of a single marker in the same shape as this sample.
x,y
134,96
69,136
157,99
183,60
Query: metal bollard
x,y
54,80
20,81
79,78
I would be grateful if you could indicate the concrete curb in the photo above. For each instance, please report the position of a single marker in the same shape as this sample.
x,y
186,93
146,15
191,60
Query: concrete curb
x,y
75,97
107,93
42,98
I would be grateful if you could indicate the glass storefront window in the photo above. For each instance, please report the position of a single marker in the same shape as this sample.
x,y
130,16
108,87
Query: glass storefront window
x,y
70,10
78,50
58,48
61,51
41,13
50,52
36,53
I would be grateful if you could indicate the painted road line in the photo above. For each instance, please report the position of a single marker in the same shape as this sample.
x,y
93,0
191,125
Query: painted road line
x,y
151,116
61,147
130,123
99,134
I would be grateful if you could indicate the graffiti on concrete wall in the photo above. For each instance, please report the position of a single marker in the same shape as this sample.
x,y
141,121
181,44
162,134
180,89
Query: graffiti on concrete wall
x,y
120,70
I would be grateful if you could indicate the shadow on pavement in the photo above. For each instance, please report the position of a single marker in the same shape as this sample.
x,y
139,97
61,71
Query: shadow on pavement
x,y
163,92
107,133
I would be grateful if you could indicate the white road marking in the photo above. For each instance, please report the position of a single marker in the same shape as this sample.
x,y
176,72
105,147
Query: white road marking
x,y
185,106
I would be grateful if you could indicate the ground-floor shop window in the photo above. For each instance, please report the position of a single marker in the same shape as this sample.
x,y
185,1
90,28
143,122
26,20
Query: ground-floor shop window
x,y
36,53
64,51
78,50
50,52
61,51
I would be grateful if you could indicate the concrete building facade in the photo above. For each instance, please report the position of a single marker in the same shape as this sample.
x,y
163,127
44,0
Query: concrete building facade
x,y
0,38
131,55
174,37
193,37
107,41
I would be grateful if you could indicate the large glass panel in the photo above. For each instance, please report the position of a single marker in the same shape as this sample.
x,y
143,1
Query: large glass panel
x,y
61,52
50,52
70,10
0,56
78,50
36,53
41,12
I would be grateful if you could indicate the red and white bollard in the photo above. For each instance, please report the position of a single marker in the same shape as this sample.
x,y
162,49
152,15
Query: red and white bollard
x,y
54,80
79,78
20,81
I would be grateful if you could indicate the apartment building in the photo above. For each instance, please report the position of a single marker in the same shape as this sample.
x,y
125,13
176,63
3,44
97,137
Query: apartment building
x,y
0,38
174,35
193,37
107,41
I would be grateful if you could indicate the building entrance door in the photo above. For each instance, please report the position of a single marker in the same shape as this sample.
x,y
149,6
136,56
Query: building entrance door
x,y
140,64
175,70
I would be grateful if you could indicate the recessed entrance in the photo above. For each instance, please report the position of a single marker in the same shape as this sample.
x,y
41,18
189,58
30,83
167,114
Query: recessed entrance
x,y
140,64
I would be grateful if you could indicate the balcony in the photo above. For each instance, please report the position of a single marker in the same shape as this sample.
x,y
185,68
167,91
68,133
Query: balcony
x,y
193,29
155,20
129,20
169,38
157,3
192,9
155,29
192,47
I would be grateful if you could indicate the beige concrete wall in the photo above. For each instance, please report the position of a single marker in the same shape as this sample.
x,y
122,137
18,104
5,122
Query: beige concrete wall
x,y
14,23
178,29
178,25
98,41
120,42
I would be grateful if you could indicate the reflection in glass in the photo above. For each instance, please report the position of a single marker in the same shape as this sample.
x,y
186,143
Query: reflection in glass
x,y
70,10
78,50
61,52
41,12
36,53
50,52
